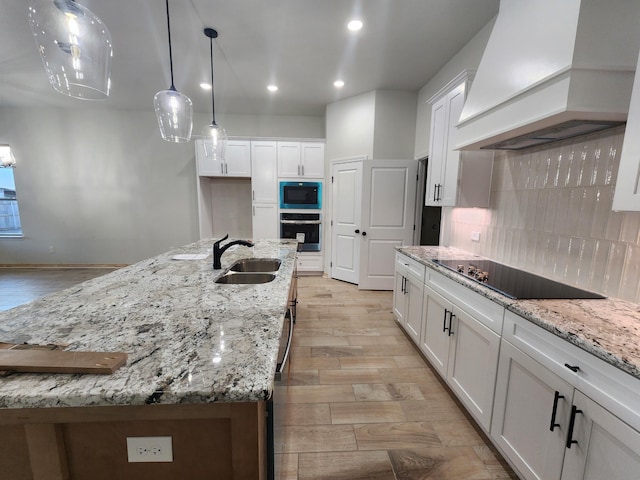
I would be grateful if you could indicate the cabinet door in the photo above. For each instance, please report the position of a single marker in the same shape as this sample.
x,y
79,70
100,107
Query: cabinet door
x,y
473,365
207,167
606,448
312,161
437,152
434,340
289,159
237,158
264,177
451,164
523,412
399,296
265,221
413,318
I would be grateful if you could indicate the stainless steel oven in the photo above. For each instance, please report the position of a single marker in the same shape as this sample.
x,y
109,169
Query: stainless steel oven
x,y
304,227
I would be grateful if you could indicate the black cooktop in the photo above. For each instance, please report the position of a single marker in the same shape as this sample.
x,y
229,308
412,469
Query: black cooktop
x,y
512,282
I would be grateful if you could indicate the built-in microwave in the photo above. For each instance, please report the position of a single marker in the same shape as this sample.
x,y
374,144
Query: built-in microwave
x,y
307,195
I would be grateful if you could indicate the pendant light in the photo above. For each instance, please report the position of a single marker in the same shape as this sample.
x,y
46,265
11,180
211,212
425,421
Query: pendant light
x,y
215,137
7,160
75,47
174,110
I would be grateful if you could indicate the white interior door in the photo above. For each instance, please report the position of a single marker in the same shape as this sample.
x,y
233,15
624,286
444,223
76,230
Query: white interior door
x,y
388,205
346,215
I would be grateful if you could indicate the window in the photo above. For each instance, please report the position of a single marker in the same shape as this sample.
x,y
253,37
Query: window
x,y
10,225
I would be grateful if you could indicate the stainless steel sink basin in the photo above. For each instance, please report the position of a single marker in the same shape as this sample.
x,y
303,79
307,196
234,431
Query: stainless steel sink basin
x,y
246,278
256,265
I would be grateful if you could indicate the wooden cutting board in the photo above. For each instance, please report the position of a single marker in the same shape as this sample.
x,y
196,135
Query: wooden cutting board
x,y
59,361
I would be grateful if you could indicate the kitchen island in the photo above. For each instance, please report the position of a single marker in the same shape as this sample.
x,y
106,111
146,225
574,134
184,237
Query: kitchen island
x,y
200,368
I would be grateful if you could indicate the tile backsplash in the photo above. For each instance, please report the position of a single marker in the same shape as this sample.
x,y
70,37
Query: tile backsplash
x,y
551,214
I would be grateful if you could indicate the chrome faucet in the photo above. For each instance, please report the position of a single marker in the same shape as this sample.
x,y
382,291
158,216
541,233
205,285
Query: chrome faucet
x,y
218,250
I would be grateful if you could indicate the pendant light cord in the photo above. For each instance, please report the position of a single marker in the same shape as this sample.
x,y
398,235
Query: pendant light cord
x,y
170,54
213,106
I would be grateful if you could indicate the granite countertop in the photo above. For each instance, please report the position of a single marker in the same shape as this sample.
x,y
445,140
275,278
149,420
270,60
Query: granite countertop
x,y
607,328
188,339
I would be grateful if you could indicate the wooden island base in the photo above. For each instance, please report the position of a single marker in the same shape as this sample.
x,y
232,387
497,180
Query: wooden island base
x,y
215,440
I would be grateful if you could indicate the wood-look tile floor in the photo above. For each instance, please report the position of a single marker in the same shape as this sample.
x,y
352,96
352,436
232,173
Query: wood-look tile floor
x,y
360,402
22,285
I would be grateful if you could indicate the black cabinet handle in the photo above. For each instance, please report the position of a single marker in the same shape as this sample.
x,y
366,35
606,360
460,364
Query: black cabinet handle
x,y
451,316
444,320
556,397
572,422
364,234
573,368
435,190
404,285
357,230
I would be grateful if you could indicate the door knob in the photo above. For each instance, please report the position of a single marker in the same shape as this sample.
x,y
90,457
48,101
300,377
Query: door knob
x,y
357,231
364,234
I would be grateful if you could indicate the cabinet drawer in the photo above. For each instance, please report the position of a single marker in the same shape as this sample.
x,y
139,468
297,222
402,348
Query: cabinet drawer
x,y
309,263
615,390
411,266
481,308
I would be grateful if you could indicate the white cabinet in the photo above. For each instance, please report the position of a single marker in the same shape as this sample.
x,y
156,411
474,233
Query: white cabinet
x,y
561,413
525,403
300,159
454,178
605,448
460,346
265,221
236,163
407,295
264,190
627,192
309,262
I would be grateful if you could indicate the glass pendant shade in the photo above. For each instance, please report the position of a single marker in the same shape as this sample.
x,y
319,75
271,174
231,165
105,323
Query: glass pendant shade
x,y
7,160
75,47
174,111
215,141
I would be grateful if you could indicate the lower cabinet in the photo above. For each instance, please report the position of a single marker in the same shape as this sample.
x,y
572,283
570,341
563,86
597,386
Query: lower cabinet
x,y
545,420
555,411
531,414
606,447
464,352
407,297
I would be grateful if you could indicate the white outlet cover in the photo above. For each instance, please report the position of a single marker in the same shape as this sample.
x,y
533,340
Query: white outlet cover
x,y
475,236
149,449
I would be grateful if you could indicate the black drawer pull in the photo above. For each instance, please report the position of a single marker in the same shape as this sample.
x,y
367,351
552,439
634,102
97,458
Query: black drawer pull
x,y
573,368
451,315
572,422
556,397
444,320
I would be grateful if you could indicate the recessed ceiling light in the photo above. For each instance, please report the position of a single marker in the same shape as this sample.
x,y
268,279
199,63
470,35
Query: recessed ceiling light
x,y
272,88
338,84
354,25
205,86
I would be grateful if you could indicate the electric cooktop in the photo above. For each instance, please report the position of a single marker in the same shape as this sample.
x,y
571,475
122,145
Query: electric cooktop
x,y
514,283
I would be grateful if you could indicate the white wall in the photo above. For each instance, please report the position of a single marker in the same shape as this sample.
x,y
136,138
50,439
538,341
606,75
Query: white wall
x,y
468,58
350,127
102,187
394,129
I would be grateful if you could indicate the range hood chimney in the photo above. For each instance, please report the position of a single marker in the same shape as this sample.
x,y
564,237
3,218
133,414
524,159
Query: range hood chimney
x,y
552,70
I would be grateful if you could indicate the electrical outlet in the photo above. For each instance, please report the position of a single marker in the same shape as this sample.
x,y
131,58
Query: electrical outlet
x,y
475,236
149,449
52,249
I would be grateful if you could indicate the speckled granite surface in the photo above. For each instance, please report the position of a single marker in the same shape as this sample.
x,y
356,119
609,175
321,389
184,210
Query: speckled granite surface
x,y
607,328
189,339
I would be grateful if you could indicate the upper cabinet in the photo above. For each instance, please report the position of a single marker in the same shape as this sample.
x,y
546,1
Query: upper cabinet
x,y
627,194
454,178
237,161
300,159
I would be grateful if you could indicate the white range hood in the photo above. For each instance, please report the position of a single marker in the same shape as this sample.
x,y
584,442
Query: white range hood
x,y
551,70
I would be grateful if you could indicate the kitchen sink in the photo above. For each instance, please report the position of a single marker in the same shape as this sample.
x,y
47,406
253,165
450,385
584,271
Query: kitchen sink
x,y
246,278
256,265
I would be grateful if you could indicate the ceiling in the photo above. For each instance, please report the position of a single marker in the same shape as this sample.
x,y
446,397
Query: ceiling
x,y
300,45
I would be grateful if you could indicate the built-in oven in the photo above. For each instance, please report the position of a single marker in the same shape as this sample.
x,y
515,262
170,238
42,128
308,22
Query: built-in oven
x,y
301,195
306,228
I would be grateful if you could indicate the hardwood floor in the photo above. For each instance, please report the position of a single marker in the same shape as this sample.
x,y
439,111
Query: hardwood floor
x,y
359,401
